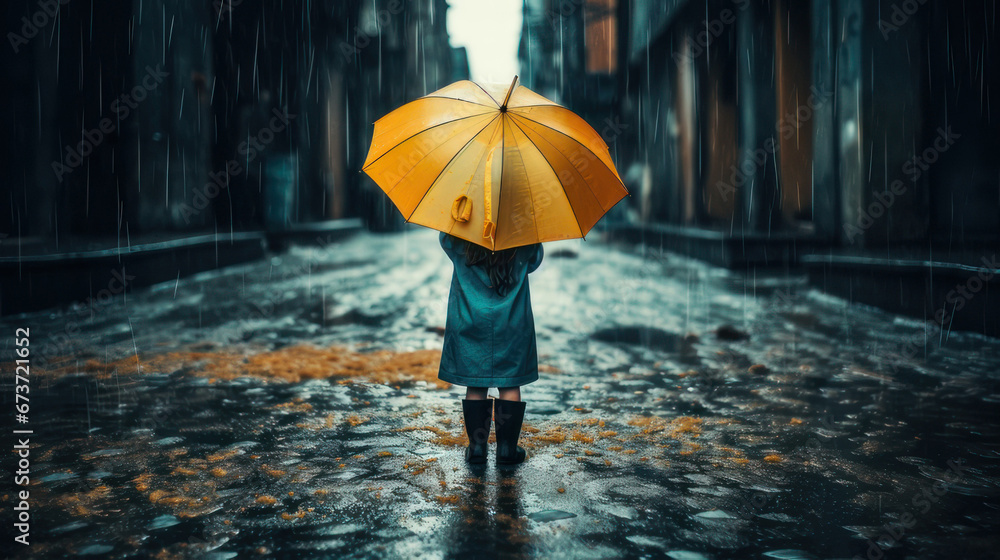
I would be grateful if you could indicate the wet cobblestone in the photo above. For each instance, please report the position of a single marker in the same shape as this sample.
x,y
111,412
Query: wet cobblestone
x,y
290,408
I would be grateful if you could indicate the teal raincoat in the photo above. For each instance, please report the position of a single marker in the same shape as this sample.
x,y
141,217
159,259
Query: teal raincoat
x,y
489,340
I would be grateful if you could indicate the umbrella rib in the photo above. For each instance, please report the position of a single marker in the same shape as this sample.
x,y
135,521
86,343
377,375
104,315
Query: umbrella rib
x,y
405,140
387,115
457,153
457,99
613,172
487,94
554,173
516,107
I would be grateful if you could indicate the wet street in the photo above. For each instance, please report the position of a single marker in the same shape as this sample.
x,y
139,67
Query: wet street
x,y
290,408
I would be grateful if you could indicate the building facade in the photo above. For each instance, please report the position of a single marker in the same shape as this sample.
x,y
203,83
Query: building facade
x,y
819,132
196,115
155,139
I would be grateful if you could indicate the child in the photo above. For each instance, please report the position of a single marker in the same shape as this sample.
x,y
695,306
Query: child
x,y
489,341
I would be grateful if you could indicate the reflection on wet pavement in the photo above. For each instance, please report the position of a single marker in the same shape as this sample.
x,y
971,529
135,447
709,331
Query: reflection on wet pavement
x,y
291,408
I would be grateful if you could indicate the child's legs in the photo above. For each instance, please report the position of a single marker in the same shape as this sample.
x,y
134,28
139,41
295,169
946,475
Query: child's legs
x,y
476,393
510,393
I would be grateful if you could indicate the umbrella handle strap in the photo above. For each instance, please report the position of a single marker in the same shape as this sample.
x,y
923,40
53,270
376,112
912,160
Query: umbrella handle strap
x,y
461,209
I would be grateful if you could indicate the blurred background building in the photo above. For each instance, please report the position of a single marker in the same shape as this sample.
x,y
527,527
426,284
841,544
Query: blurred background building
x,y
145,123
853,138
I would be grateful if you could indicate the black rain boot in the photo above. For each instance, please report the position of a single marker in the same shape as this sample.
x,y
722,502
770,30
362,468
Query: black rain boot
x,y
508,417
478,419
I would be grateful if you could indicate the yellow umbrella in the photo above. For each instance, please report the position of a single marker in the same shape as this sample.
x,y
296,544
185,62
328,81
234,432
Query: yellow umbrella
x,y
500,167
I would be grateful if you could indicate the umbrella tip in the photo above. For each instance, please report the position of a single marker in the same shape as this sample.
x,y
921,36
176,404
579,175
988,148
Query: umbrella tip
x,y
503,108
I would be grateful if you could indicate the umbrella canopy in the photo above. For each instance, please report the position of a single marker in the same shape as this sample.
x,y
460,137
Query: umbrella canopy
x,y
500,167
